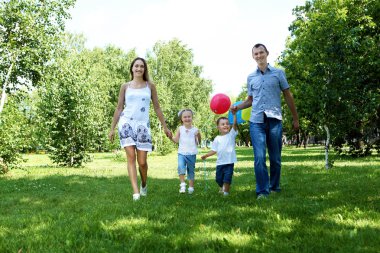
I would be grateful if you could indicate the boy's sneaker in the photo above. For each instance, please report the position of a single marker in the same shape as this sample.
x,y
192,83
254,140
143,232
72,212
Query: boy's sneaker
x,y
190,190
226,194
136,196
182,188
143,190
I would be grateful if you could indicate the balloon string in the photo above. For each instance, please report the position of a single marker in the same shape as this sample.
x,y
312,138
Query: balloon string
x,y
205,174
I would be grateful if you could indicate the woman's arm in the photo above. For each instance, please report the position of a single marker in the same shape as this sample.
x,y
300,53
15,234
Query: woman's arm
x,y
118,110
157,109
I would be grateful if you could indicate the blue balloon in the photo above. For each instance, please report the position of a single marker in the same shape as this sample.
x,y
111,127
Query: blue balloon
x,y
238,115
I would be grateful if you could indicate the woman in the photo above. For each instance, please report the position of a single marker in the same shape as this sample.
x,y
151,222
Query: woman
x,y
132,114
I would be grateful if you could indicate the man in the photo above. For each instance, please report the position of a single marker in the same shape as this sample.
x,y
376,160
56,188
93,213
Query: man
x,y
265,85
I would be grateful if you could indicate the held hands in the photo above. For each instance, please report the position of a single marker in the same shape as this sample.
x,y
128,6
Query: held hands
x,y
168,133
203,157
233,109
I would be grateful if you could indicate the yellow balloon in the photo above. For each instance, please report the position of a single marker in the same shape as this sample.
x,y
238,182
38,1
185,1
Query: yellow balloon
x,y
246,113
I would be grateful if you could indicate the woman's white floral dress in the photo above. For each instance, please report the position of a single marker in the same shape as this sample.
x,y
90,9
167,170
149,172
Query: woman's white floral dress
x,y
134,125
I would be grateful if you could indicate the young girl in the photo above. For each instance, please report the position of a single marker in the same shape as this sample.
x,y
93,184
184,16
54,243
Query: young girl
x,y
132,117
224,146
188,138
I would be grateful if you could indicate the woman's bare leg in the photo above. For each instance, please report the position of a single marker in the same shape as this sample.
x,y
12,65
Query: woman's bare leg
x,y
143,166
132,172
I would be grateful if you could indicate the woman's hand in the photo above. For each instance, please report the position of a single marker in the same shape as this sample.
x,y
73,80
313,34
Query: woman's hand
x,y
168,133
111,135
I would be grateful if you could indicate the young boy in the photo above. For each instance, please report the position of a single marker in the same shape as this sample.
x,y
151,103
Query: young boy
x,y
224,146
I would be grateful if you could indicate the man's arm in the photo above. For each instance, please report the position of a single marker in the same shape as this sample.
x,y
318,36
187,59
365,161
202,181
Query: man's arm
x,y
245,104
290,102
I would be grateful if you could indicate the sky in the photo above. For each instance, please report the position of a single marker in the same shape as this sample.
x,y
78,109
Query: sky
x,y
220,33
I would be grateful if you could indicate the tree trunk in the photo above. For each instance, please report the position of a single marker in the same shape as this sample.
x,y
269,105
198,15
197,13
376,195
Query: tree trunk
x,y
3,167
3,94
327,166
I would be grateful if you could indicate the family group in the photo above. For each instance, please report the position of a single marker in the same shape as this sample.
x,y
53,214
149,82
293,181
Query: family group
x,y
265,86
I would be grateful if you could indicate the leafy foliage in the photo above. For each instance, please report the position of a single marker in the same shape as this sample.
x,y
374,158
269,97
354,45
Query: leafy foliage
x,y
28,38
71,108
332,62
13,129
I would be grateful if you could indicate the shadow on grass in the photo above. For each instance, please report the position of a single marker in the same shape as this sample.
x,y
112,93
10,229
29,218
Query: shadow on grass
x,y
288,155
318,211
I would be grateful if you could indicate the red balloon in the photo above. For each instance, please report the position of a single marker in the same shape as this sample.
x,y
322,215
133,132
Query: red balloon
x,y
220,103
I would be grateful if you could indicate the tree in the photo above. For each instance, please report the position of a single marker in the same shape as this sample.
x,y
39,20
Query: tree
x,y
29,32
70,106
332,60
28,38
13,133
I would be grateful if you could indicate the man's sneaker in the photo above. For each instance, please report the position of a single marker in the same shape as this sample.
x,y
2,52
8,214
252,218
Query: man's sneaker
x,y
190,190
182,188
143,191
136,196
226,193
261,196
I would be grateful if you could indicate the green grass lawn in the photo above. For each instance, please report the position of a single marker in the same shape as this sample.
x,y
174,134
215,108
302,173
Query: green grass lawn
x,y
45,208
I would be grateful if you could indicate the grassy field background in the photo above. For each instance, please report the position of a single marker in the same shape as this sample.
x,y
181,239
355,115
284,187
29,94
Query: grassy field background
x,y
45,208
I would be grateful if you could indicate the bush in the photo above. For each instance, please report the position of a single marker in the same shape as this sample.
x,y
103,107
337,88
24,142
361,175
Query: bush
x,y
12,135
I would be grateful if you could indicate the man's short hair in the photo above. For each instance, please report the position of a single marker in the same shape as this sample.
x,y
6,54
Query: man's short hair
x,y
260,45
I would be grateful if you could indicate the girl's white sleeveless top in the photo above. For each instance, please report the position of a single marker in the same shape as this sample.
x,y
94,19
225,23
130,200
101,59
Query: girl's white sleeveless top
x,y
187,141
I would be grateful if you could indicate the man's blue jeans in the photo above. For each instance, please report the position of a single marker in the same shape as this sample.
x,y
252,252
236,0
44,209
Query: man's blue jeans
x,y
263,135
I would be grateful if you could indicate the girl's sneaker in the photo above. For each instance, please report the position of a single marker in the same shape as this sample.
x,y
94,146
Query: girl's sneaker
x,y
182,188
136,196
190,190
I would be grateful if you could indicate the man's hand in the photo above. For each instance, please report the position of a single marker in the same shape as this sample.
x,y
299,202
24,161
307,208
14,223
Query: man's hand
x,y
233,109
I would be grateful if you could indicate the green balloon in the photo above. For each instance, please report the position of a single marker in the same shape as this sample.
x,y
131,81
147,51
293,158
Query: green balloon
x,y
246,113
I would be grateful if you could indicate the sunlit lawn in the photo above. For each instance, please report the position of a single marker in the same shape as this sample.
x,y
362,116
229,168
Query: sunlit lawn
x,y
45,208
